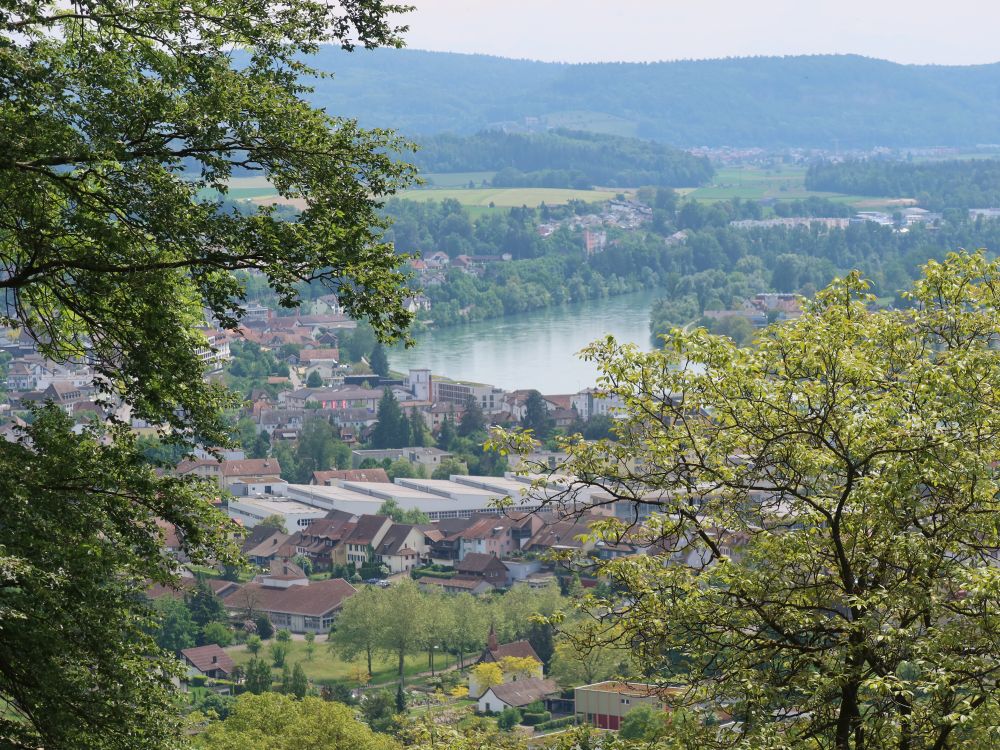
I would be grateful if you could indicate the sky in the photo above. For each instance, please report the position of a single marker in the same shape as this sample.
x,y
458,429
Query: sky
x,y
958,32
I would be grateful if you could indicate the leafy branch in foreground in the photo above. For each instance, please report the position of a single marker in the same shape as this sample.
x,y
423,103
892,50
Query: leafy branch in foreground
x,y
826,506
79,541
122,120
122,124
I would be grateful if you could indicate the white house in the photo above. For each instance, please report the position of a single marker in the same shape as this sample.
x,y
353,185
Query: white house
x,y
515,694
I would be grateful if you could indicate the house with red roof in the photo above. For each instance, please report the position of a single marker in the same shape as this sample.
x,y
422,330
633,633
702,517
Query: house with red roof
x,y
209,661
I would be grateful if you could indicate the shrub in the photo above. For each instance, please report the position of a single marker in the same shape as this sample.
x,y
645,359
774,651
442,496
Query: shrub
x,y
548,726
532,718
264,627
508,719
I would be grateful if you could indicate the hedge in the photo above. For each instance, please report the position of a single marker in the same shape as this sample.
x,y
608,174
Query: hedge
x,y
545,726
533,718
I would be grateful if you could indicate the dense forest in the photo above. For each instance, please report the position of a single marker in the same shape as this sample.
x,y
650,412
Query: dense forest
x,y
936,185
562,159
822,101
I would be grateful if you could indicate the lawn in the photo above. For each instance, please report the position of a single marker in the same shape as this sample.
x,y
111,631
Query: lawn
x,y
327,667
781,183
508,197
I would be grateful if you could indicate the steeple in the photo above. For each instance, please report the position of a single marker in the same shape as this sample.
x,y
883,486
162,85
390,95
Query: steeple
x,y
491,641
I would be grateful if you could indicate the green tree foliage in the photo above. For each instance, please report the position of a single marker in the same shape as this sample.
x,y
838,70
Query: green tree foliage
x,y
391,508
300,683
357,629
318,449
536,415
644,723
403,623
310,639
275,523
449,466
508,719
446,433
177,630
378,361
78,545
938,184
205,605
401,468
418,430
315,380
133,116
253,644
563,158
378,708
258,676
724,102
280,722
388,432
840,589
264,627
581,658
218,633
251,366
279,652
473,420
358,343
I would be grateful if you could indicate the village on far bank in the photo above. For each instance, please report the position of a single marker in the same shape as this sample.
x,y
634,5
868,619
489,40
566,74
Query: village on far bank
x,y
376,517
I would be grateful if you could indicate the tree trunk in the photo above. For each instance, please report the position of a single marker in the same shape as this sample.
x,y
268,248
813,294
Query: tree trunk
x,y
847,719
369,650
402,658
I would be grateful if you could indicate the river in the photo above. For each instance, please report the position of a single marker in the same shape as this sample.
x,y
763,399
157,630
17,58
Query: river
x,y
531,350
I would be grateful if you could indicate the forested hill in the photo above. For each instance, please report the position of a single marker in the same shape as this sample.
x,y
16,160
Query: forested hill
x,y
818,101
562,159
938,185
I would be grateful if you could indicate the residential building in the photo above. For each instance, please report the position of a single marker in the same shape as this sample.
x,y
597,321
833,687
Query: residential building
x,y
346,397
360,539
401,548
263,544
318,541
227,473
516,694
476,565
208,661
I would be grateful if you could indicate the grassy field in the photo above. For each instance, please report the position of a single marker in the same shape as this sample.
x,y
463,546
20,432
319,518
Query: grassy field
x,y
508,197
328,667
598,122
782,183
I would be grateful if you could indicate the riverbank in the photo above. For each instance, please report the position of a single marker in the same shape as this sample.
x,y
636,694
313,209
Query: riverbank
x,y
536,349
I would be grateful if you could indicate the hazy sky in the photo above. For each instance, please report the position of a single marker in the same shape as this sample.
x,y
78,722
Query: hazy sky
x,y
910,31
